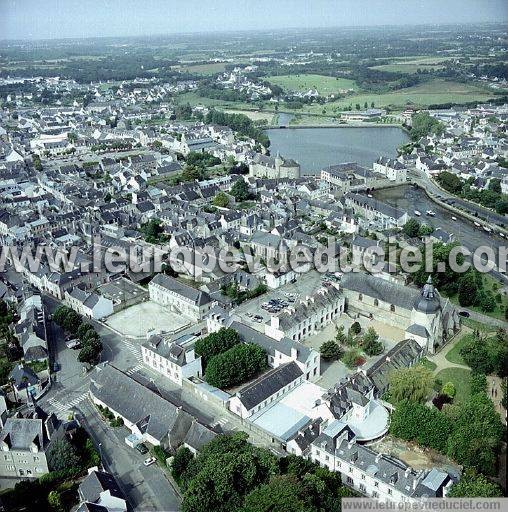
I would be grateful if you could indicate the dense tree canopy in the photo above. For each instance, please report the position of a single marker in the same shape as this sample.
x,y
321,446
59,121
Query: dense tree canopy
x,y
413,383
216,343
235,366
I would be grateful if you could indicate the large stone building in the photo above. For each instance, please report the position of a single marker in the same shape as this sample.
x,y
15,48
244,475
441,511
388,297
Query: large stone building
x,y
179,297
274,168
423,315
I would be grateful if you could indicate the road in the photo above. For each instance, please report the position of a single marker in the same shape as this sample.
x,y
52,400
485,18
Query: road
x,y
146,487
474,209
408,198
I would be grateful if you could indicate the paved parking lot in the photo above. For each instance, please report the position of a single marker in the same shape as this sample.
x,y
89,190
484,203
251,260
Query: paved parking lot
x,y
137,320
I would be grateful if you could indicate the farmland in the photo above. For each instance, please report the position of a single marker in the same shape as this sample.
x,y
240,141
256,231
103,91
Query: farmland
x,y
324,85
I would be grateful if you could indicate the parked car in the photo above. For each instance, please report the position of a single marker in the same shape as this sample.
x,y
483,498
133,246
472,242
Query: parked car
x,y
464,314
141,448
74,344
149,461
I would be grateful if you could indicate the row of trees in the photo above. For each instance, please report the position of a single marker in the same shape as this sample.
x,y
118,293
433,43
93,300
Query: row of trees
x,y
91,345
229,474
491,197
239,123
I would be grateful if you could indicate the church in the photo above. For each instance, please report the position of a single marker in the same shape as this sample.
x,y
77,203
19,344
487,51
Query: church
x,y
423,314
273,168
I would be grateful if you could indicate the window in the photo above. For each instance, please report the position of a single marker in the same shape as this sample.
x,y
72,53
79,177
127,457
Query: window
x,y
363,477
360,296
392,308
389,491
376,302
376,484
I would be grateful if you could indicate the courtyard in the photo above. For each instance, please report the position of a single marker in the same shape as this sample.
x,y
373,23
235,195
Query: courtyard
x,y
137,320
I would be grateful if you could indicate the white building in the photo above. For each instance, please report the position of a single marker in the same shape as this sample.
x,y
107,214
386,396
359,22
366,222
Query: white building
x,y
170,359
179,297
308,316
88,304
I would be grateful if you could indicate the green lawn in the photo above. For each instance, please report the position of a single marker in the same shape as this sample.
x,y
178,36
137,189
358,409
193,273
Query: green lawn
x,y
428,364
454,354
325,85
473,324
461,379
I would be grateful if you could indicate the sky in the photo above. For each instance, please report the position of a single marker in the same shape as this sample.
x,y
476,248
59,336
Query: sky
x,y
53,19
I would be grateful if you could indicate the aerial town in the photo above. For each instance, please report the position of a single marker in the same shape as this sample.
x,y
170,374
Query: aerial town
x,y
171,338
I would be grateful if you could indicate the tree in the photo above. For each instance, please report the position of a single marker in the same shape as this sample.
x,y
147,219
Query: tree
x,y
474,485
62,456
330,350
411,228
449,390
221,200
468,290
355,328
240,190
216,343
413,383
283,493
55,501
423,124
417,422
153,232
72,321
180,463
371,344
450,182
235,366
83,329
352,358
477,434
60,314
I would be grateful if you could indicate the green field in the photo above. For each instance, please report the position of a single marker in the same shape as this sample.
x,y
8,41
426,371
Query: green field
x,y
428,93
325,85
454,354
461,379
409,68
212,68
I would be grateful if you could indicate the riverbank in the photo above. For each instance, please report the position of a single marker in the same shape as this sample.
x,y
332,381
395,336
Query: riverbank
x,y
338,125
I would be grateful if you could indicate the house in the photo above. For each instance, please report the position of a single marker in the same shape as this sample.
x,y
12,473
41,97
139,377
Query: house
x,y
391,168
100,489
364,250
179,297
171,359
273,167
375,212
149,416
25,383
88,304
31,329
265,389
198,436
25,442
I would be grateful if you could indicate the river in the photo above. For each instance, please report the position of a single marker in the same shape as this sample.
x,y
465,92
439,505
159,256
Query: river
x,y
316,148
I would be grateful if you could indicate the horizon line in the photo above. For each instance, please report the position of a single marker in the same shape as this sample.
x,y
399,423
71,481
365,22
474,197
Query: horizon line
x,y
260,30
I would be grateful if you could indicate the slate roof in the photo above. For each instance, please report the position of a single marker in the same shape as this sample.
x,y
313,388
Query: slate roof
x,y
138,404
380,289
96,482
199,435
268,384
270,345
198,297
